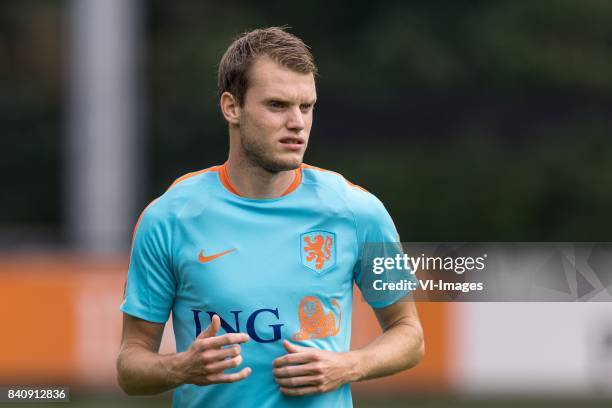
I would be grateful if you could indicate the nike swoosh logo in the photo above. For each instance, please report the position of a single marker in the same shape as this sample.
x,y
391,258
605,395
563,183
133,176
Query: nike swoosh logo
x,y
205,259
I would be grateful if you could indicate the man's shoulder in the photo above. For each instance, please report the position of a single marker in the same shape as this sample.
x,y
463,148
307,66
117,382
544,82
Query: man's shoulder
x,y
335,181
364,205
368,211
185,188
187,182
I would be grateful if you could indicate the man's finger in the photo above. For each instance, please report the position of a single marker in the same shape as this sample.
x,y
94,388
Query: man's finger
x,y
299,391
213,355
224,364
226,340
212,329
296,358
293,348
229,378
298,381
296,371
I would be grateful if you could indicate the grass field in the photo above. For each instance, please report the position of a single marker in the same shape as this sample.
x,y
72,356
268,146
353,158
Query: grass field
x,y
98,401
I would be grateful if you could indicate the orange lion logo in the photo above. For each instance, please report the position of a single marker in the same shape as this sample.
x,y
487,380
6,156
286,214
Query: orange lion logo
x,y
313,320
319,250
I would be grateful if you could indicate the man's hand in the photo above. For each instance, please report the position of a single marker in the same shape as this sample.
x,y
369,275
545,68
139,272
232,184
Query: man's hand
x,y
307,370
142,371
209,355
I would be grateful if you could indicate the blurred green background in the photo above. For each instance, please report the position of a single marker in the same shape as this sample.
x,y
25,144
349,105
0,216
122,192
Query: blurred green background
x,y
479,120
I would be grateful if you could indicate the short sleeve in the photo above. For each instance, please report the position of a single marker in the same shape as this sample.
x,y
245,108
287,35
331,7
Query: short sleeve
x,y
151,284
378,238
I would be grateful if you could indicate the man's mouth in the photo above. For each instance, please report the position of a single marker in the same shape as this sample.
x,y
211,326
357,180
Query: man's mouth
x,y
292,142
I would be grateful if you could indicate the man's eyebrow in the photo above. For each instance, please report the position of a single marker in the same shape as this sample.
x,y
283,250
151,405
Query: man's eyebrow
x,y
276,99
288,100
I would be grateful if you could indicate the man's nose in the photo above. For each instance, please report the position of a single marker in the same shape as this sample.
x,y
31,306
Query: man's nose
x,y
295,120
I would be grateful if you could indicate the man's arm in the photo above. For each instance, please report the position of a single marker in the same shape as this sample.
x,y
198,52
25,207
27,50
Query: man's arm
x,y
399,347
142,371
307,370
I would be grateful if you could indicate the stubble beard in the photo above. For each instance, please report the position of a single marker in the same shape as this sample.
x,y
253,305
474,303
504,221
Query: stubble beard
x,y
256,152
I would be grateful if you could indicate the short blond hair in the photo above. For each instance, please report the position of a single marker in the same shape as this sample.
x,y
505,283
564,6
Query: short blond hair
x,y
275,42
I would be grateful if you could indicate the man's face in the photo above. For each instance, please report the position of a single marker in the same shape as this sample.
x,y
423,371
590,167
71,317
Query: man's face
x,y
276,115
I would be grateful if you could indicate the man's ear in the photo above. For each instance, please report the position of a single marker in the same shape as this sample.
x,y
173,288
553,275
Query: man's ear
x,y
230,108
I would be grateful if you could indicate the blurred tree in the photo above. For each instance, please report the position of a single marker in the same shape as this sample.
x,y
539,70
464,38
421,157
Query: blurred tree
x,y
30,117
480,120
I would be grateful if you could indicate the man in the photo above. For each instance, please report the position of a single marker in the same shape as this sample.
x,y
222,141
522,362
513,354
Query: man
x,y
256,258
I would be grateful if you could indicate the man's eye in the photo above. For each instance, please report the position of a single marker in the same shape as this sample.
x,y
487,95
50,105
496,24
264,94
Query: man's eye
x,y
276,105
305,108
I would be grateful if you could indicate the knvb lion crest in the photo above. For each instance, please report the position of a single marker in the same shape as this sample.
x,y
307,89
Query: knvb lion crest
x,y
318,250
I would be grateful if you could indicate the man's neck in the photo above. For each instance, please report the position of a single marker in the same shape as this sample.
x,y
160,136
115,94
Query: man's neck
x,y
254,182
